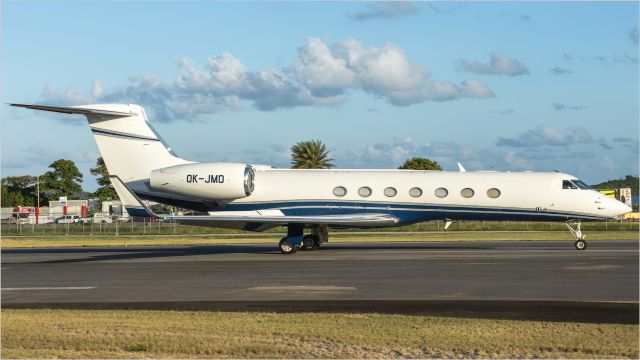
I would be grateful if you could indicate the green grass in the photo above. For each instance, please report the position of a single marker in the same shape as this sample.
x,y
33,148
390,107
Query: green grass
x,y
270,238
158,334
175,229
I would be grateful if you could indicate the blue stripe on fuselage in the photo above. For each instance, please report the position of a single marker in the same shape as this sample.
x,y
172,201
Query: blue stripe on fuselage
x,y
405,212
408,213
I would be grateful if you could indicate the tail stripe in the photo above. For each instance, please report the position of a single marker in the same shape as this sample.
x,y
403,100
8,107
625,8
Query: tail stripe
x,y
123,135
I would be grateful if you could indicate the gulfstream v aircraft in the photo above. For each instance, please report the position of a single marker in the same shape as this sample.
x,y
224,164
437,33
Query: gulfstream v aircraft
x,y
259,197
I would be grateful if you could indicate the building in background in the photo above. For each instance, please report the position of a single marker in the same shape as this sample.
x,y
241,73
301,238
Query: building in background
x,y
68,207
622,194
625,196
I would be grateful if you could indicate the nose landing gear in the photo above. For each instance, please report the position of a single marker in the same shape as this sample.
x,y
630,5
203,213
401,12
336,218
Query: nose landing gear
x,y
580,243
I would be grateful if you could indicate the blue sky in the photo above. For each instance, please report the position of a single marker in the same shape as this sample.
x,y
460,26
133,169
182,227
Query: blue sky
x,y
506,86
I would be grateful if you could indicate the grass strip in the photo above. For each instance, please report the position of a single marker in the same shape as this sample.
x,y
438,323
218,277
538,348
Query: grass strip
x,y
151,240
141,334
166,228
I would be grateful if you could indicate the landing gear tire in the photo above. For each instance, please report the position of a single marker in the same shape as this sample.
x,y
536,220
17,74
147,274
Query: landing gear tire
x,y
580,244
309,242
286,247
316,243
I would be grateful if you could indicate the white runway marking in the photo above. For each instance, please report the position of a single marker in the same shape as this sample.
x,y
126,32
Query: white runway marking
x,y
49,288
304,288
593,267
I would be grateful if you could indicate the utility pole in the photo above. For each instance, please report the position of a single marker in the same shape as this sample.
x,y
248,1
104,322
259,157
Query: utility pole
x,y
38,189
38,196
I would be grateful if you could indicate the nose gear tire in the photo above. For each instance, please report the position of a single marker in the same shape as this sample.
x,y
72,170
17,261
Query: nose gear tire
x,y
580,244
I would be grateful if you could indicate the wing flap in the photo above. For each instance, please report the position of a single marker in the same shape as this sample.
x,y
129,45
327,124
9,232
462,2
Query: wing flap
x,y
357,220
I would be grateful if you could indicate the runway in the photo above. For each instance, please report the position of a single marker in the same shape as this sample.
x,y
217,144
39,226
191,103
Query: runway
x,y
378,276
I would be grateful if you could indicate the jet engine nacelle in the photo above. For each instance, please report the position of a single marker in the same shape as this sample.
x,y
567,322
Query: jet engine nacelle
x,y
211,181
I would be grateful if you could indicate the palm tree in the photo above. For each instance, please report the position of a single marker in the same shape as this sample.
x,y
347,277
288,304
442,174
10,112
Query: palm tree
x,y
310,155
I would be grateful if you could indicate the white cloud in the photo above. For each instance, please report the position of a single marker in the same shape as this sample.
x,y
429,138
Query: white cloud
x,y
70,95
320,75
507,111
396,152
388,73
557,70
320,71
223,75
97,89
517,162
548,136
560,107
385,10
499,64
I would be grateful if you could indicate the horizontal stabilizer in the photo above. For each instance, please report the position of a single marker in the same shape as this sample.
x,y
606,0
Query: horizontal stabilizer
x,y
74,110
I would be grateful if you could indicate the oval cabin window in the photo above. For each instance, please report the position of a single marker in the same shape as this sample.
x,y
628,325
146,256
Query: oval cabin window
x,y
415,192
390,192
339,191
466,192
493,193
364,191
442,192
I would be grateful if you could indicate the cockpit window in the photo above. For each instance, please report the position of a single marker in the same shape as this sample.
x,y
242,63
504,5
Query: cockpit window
x,y
567,184
581,184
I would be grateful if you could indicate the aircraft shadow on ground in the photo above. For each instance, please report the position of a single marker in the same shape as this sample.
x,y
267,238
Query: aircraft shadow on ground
x,y
121,253
142,253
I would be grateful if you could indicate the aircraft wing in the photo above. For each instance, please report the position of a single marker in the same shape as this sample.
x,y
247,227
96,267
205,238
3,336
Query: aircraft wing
x,y
225,218
249,220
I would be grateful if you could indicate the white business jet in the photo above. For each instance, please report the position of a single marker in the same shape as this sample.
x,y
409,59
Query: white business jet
x,y
258,197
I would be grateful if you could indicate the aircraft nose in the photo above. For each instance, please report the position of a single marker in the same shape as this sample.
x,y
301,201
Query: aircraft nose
x,y
626,209
618,208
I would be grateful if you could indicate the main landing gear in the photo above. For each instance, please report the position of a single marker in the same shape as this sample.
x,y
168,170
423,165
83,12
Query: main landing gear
x,y
580,243
296,240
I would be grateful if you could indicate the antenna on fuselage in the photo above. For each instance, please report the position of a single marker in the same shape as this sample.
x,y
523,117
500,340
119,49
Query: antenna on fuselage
x,y
462,169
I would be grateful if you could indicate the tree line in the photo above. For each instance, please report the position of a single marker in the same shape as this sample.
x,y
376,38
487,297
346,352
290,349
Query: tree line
x,y
63,179
627,182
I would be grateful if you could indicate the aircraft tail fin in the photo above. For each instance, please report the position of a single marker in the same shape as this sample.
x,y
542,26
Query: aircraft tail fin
x,y
129,145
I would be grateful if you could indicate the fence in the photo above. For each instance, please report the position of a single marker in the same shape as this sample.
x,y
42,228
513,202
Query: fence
x,y
146,227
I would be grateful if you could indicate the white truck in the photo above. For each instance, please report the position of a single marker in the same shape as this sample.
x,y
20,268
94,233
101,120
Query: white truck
x,y
97,218
67,219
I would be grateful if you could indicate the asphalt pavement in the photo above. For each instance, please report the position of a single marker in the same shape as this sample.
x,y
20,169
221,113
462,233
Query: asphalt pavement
x,y
527,279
